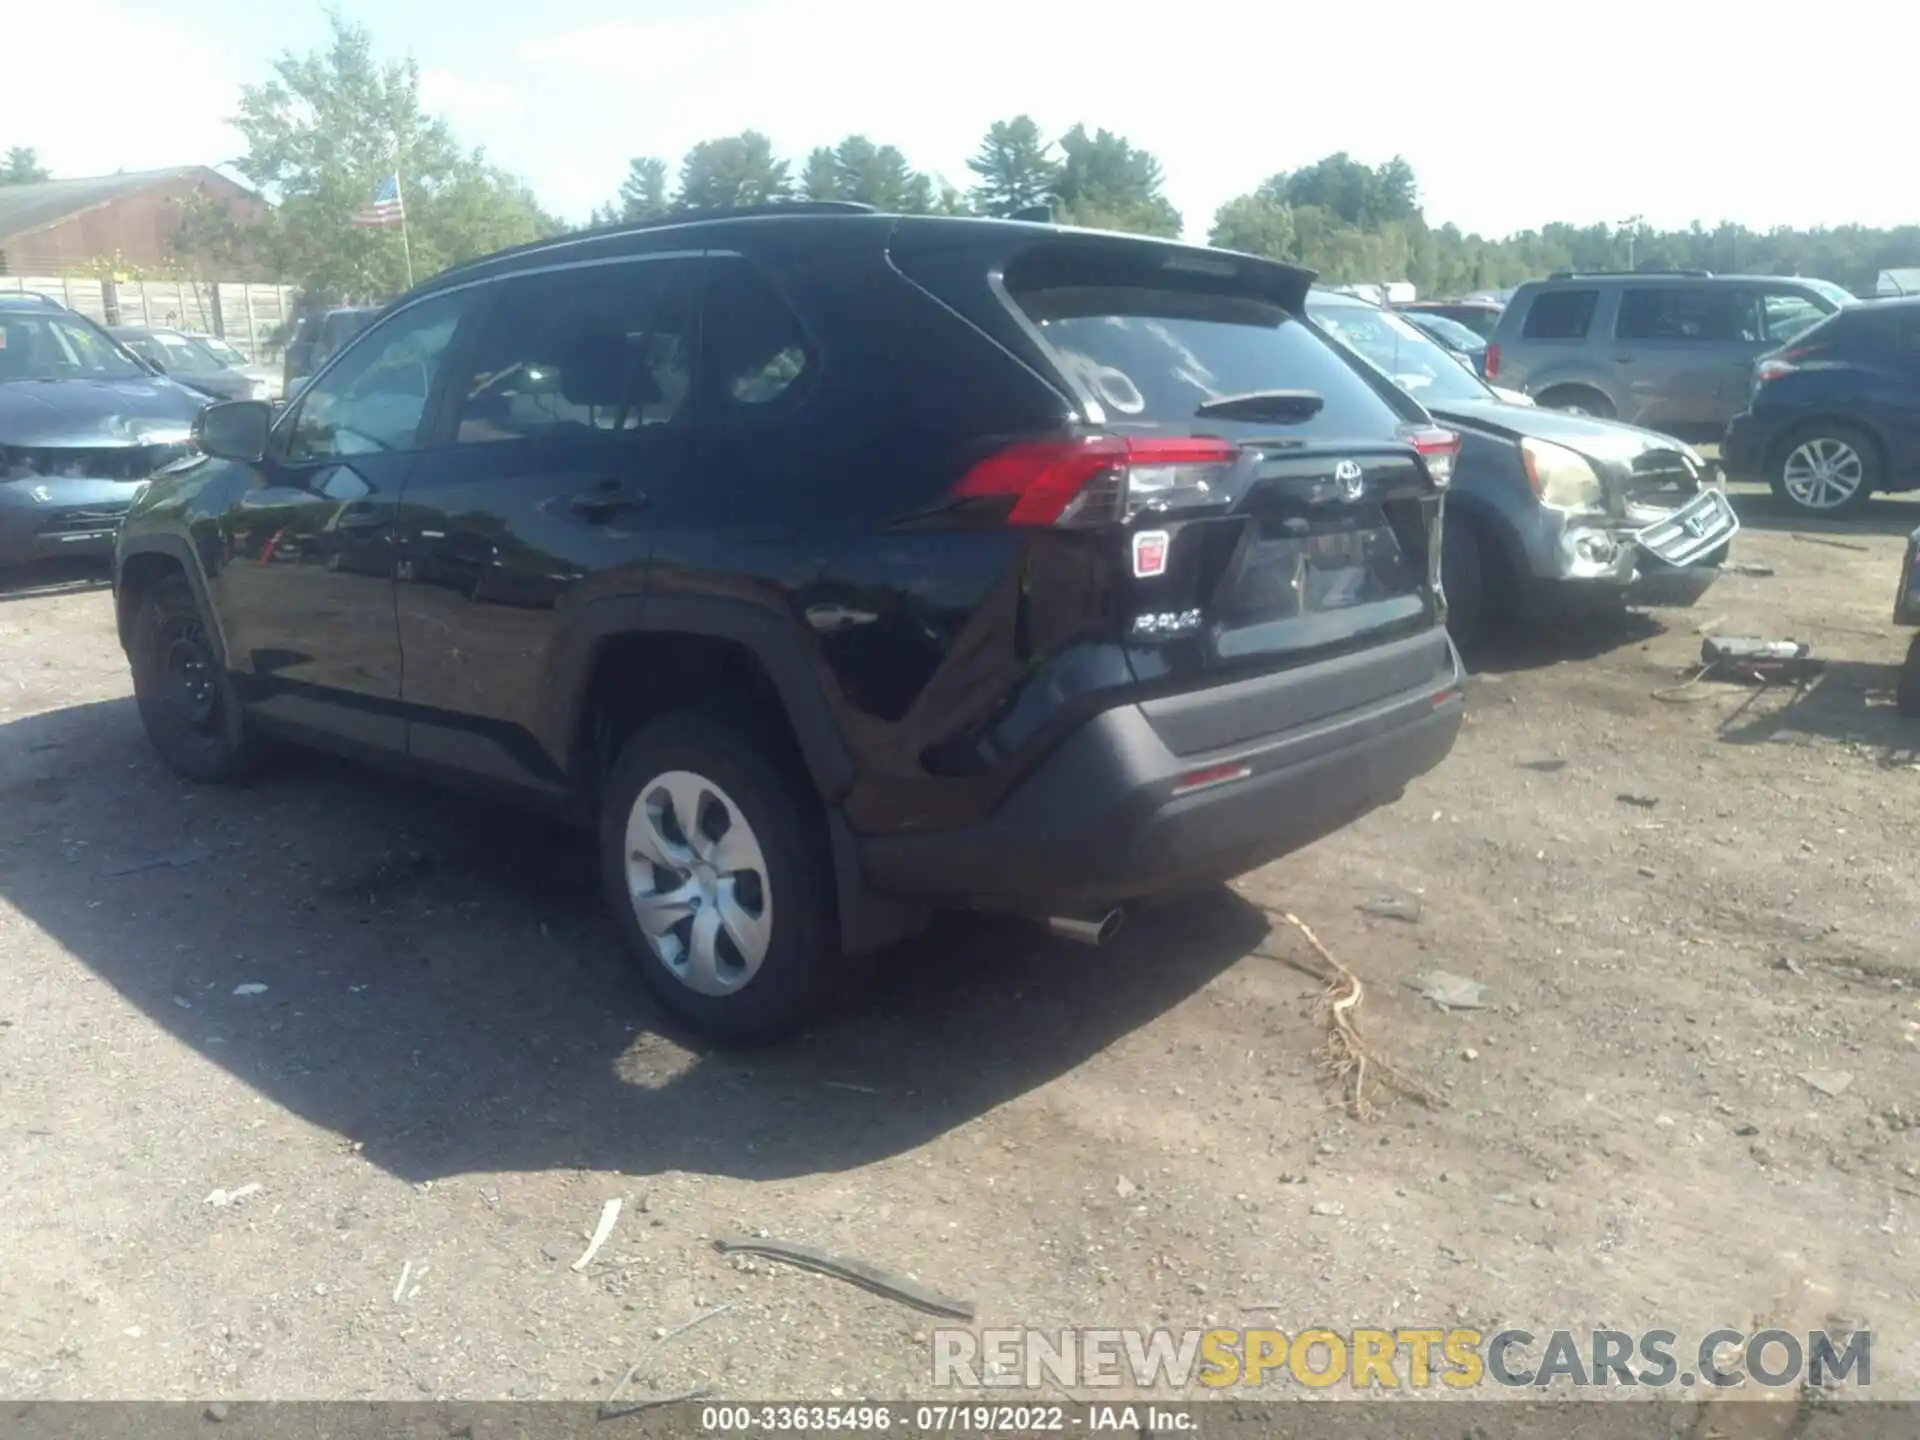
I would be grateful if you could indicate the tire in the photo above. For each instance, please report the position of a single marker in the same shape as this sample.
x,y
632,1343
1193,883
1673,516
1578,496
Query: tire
x,y
1906,695
1578,400
1824,470
187,700
1463,578
769,960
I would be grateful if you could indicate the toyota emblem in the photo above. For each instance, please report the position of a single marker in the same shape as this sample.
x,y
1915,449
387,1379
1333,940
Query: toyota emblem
x,y
1351,479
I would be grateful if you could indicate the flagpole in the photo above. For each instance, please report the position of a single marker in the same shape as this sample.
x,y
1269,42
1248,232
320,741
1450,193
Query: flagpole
x,y
406,246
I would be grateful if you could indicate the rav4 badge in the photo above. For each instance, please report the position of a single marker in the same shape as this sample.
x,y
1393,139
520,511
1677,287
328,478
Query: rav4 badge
x,y
1150,553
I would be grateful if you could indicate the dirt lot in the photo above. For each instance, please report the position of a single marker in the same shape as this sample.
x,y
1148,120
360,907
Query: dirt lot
x,y
449,1070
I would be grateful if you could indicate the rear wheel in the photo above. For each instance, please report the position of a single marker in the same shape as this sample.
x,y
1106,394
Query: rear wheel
x,y
187,701
716,870
1578,400
1825,470
1907,695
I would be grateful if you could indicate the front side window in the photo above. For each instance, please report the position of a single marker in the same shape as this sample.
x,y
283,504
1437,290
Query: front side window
x,y
1785,314
375,398
594,350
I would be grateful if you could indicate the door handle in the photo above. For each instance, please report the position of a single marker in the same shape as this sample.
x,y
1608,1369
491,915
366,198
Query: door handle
x,y
605,500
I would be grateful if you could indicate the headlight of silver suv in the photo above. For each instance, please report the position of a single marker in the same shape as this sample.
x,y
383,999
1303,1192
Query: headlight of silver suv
x,y
1562,478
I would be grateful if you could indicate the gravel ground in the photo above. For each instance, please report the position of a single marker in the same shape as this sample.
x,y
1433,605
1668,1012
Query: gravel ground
x,y
416,1122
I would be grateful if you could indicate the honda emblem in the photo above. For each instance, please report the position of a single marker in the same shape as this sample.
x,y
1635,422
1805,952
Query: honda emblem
x,y
1150,554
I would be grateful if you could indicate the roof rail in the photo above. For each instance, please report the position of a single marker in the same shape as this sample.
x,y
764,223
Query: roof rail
x,y
677,217
1606,274
40,295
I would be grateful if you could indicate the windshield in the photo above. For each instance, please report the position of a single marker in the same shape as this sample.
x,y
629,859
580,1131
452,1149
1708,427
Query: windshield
x,y
57,346
219,349
179,354
1414,362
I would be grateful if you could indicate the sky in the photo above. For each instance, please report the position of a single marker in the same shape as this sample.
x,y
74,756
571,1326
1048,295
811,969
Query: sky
x,y
1517,115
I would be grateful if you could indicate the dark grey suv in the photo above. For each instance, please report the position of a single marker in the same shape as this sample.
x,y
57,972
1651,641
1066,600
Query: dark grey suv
x,y
1671,351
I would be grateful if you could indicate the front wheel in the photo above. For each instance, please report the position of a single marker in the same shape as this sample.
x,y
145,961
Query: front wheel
x,y
714,863
1825,471
1907,695
187,701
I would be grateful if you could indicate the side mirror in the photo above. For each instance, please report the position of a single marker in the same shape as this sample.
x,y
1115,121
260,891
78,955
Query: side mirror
x,y
234,430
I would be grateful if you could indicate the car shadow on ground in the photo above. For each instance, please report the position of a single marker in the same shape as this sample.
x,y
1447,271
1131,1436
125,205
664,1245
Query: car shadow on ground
x,y
1882,515
1850,702
44,578
443,990
1506,647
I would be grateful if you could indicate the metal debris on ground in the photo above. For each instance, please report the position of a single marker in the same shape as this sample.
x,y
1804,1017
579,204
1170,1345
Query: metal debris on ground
x,y
1449,991
1639,802
220,1199
1834,544
252,987
609,1214
1751,660
1346,1056
855,1272
1392,907
1747,567
607,1412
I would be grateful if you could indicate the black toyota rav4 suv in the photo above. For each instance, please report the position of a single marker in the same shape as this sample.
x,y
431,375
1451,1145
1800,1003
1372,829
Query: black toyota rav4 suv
x,y
839,566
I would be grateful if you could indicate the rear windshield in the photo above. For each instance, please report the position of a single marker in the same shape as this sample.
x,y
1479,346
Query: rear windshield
x,y
1150,357
1417,363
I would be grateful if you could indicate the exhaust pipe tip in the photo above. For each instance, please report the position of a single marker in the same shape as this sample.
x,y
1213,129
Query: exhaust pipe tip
x,y
1098,929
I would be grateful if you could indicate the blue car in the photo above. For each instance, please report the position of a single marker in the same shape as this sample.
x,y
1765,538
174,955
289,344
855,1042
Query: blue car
x,y
1835,416
84,425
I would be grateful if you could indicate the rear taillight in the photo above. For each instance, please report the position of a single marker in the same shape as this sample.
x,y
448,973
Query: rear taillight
x,y
1101,480
1774,366
1493,362
1439,448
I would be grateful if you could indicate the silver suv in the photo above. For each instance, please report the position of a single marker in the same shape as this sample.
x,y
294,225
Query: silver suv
x,y
1672,351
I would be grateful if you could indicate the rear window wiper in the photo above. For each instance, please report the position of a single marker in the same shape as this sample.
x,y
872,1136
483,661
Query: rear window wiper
x,y
1264,405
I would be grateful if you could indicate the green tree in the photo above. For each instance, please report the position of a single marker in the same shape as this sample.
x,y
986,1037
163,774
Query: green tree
x,y
22,167
1107,183
732,171
643,194
1015,166
324,131
1256,224
876,175
820,176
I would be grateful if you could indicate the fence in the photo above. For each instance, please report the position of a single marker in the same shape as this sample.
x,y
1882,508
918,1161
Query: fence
x,y
249,317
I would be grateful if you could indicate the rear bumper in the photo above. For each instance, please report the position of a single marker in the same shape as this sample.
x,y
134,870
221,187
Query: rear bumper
x,y
1104,819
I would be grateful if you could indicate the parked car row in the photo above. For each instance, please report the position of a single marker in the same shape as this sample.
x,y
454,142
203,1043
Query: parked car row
x,y
839,567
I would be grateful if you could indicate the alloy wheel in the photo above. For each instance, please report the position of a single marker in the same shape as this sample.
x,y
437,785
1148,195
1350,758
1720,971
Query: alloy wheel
x,y
698,882
1823,474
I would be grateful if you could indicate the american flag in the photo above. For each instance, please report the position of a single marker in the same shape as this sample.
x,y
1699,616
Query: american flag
x,y
385,210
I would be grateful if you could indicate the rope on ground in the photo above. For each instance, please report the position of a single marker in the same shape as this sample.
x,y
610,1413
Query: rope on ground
x,y
1346,1056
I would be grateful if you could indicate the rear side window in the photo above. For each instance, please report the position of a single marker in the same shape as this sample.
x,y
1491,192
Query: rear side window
x,y
756,357
1561,315
1685,312
1151,356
